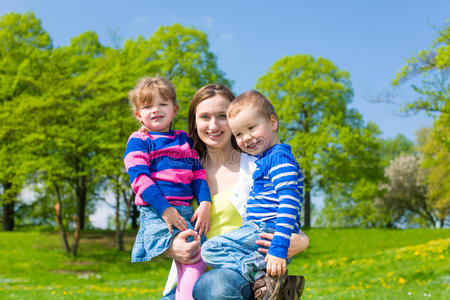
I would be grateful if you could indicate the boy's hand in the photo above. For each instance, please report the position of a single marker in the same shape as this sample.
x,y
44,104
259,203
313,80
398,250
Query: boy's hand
x,y
172,217
201,214
275,266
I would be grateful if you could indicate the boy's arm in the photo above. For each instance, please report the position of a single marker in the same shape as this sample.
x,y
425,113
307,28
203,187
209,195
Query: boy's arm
x,y
286,179
137,164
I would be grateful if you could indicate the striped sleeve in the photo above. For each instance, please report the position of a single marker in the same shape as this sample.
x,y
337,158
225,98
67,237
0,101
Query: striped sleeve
x,y
137,164
199,183
284,175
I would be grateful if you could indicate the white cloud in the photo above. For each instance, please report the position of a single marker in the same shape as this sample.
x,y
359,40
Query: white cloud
x,y
139,21
226,37
209,22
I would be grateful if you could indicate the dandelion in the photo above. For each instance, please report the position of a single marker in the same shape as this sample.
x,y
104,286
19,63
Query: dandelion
x,y
401,280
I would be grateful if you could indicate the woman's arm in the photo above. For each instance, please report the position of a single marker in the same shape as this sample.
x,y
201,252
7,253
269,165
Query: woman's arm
x,y
183,251
299,243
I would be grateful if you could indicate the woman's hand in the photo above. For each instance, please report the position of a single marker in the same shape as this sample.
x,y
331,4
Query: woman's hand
x,y
299,243
183,251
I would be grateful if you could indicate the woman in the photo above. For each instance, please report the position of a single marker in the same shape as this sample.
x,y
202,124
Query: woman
x,y
229,178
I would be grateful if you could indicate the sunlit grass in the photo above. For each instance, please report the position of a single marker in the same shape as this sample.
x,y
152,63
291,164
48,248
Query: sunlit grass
x,y
340,264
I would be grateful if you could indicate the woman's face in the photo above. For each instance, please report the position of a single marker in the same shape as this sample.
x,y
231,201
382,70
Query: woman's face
x,y
211,122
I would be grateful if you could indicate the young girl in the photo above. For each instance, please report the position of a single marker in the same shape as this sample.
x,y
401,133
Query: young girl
x,y
165,174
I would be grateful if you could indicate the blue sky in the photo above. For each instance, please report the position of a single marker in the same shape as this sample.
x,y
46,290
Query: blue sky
x,y
369,39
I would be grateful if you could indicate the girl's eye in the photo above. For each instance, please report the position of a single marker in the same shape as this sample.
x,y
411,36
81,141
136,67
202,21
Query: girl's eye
x,y
204,117
237,134
164,104
251,127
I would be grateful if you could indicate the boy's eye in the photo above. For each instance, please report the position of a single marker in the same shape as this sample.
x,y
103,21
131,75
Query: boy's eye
x,y
223,116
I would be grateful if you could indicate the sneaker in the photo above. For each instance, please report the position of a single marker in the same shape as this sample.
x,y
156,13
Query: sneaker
x,y
269,287
293,287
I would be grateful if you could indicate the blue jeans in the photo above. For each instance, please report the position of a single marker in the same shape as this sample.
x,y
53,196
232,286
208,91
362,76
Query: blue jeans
x,y
153,237
219,284
237,250
222,284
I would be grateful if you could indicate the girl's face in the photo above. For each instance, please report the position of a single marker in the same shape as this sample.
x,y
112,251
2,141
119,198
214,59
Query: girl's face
x,y
157,116
211,122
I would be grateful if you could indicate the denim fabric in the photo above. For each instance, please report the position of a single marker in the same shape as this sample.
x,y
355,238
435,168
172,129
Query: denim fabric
x,y
153,237
237,250
222,284
170,295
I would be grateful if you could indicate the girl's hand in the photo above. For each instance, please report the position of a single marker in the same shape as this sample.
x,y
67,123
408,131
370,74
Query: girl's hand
x,y
275,266
183,251
173,218
202,214
299,243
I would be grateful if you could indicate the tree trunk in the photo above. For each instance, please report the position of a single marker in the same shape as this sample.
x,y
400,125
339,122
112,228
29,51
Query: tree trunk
x,y
134,215
76,236
8,209
8,216
58,208
119,236
81,194
307,204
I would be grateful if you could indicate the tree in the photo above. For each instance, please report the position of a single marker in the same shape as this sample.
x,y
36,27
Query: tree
x,y
24,48
433,145
433,65
335,149
406,192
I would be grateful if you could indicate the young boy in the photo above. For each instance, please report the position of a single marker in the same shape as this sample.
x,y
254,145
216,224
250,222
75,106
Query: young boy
x,y
274,203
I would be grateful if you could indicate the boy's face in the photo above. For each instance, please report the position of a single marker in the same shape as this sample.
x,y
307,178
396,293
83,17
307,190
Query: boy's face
x,y
254,133
157,116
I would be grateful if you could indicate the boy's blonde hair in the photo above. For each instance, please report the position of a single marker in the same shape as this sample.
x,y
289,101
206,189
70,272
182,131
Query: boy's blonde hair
x,y
252,99
147,88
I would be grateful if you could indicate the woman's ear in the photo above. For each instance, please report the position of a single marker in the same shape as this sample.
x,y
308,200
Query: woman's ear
x,y
274,122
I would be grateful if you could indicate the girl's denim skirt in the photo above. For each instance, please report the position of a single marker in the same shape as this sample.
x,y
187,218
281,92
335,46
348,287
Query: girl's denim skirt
x,y
153,237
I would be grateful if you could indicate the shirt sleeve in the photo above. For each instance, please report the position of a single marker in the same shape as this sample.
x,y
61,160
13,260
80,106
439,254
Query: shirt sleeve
x,y
137,164
286,178
199,183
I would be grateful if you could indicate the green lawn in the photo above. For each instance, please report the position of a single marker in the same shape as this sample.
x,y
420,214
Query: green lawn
x,y
339,264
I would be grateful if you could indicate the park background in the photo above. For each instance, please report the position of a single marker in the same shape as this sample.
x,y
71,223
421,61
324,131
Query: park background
x,y
362,91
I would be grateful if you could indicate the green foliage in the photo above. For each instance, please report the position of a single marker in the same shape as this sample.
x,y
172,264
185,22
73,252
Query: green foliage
x,y
339,264
433,65
336,150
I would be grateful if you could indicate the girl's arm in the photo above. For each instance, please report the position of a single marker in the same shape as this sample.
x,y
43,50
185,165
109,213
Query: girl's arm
x,y
183,251
299,243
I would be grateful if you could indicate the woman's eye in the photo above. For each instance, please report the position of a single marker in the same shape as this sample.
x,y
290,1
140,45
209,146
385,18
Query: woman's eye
x,y
223,116
237,134
164,104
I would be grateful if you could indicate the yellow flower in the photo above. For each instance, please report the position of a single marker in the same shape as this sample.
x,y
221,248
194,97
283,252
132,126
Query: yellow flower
x,y
401,280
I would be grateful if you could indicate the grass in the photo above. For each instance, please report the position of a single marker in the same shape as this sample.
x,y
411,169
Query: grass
x,y
339,264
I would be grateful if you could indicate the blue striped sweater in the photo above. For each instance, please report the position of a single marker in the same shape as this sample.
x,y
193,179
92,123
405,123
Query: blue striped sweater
x,y
276,196
165,170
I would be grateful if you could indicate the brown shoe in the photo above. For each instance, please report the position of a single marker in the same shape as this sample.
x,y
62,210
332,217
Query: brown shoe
x,y
293,287
269,287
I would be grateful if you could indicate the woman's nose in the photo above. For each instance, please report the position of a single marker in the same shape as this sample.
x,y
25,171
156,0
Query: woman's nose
x,y
212,123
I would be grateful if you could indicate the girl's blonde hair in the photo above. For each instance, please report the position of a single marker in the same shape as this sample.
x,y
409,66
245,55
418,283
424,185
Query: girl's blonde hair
x,y
147,88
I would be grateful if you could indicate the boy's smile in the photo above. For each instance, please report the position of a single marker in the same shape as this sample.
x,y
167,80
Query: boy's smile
x,y
254,133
